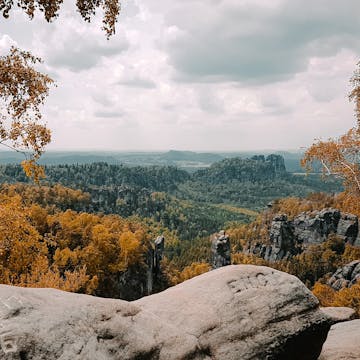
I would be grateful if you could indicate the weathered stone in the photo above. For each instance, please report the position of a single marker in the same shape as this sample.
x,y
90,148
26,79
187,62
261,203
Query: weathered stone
x,y
281,239
220,250
348,227
236,312
158,253
342,342
339,314
345,276
357,240
288,238
245,312
315,228
46,324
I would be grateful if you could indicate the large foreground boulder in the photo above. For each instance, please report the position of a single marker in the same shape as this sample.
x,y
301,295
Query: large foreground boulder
x,y
245,312
343,342
235,312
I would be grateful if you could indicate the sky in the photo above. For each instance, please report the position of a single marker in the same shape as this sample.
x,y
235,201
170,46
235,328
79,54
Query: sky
x,y
202,75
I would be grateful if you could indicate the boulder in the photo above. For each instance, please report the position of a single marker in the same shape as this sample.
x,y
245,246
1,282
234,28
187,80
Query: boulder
x,y
345,276
342,342
235,312
245,312
339,314
48,324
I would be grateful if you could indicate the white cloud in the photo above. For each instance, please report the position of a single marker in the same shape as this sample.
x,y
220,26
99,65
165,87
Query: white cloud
x,y
197,74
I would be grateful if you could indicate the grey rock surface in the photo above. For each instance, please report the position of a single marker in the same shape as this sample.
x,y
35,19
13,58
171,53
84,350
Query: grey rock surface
x,y
46,324
220,250
290,237
345,276
348,227
314,228
245,312
342,342
236,312
339,314
282,239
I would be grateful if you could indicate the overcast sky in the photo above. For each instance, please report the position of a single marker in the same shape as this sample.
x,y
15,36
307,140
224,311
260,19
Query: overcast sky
x,y
197,74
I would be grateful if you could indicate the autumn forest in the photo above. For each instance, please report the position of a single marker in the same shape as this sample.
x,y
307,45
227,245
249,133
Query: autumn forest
x,y
90,228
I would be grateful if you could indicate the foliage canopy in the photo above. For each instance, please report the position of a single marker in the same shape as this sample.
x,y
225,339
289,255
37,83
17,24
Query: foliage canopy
x,y
341,156
50,10
23,90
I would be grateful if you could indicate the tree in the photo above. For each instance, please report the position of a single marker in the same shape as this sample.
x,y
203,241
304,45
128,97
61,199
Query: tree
x,y
341,156
86,8
355,93
22,91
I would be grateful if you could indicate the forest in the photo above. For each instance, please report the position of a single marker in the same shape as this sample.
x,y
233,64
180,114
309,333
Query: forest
x,y
90,227
70,211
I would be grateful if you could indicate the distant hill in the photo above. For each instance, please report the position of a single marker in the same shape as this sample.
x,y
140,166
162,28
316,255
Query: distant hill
x,y
187,160
174,155
257,168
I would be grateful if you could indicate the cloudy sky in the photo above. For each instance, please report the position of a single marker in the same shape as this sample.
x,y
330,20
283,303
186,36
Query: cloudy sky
x,y
197,74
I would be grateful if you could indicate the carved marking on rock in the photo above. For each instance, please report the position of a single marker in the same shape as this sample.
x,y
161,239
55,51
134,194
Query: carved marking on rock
x,y
8,343
251,282
9,307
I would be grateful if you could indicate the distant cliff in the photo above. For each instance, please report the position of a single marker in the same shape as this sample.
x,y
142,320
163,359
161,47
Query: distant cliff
x,y
257,168
291,237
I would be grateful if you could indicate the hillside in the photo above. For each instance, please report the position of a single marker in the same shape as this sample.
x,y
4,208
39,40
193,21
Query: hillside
x,y
188,160
187,203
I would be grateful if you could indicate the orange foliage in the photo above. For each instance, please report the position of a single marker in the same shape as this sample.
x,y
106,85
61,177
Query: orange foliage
x,y
66,250
105,245
22,91
324,293
340,157
46,196
24,253
348,297
193,270
240,258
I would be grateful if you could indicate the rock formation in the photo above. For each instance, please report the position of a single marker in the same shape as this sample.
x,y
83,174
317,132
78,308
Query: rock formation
x,y
315,228
159,246
154,257
339,314
342,342
278,163
282,239
235,312
288,238
345,276
220,250
348,227
138,281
